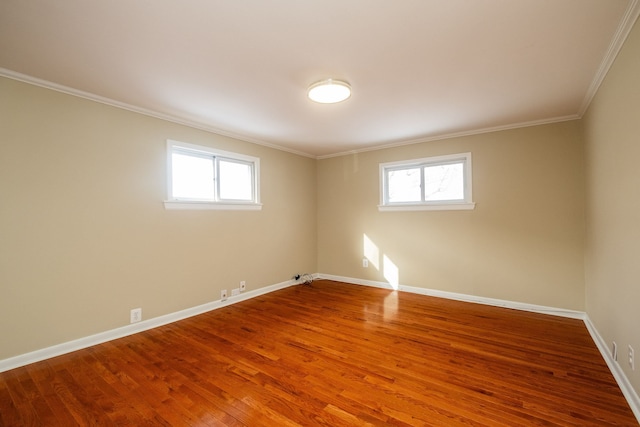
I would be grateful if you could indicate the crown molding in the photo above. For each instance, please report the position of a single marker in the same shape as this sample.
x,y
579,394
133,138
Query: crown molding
x,y
626,24
201,126
452,135
620,36
144,111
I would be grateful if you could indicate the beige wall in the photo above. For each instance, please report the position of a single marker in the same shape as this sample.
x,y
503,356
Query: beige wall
x,y
523,242
84,236
612,141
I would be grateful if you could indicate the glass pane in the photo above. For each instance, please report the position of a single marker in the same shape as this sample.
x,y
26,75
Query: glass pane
x,y
236,180
444,182
192,177
404,185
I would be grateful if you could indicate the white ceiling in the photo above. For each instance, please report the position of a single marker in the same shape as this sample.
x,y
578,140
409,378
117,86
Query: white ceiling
x,y
420,69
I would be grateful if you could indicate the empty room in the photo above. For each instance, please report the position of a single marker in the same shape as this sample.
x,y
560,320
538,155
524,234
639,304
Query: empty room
x,y
305,213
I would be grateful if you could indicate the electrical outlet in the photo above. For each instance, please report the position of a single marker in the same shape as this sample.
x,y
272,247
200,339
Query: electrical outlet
x,y
223,295
235,292
614,351
136,315
243,286
365,262
632,361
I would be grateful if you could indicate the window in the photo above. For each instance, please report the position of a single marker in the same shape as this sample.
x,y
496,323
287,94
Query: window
x,y
433,183
204,178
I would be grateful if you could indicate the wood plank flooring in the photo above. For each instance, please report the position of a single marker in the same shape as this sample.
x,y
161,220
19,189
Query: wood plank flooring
x,y
329,354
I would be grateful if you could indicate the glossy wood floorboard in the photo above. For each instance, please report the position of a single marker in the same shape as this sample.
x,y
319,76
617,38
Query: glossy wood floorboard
x,y
329,354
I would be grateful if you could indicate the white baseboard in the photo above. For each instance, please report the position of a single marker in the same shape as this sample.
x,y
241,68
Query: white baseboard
x,y
68,347
623,382
462,297
617,372
59,349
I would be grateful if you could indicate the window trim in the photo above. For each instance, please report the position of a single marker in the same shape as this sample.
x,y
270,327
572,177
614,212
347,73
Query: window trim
x,y
172,203
465,204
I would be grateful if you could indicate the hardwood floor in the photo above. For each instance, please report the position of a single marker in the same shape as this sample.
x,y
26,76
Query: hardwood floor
x,y
329,354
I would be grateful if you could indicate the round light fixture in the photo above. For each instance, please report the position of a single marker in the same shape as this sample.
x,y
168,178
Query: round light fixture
x,y
329,91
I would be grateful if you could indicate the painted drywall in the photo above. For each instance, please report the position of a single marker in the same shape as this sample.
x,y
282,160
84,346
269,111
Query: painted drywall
x,y
84,235
612,254
523,242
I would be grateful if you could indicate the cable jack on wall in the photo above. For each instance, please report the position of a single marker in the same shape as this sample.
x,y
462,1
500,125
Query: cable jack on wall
x,y
305,278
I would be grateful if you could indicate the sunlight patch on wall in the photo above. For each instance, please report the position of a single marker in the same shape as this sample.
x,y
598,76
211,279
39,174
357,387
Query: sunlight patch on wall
x,y
391,272
389,268
371,251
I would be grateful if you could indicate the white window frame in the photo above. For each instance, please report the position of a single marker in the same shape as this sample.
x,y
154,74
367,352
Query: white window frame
x,y
463,204
214,204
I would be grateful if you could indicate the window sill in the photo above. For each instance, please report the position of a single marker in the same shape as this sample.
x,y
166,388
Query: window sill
x,y
196,205
428,207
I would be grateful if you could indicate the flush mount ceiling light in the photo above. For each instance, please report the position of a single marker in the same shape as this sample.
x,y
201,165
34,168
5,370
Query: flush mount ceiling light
x,y
329,91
